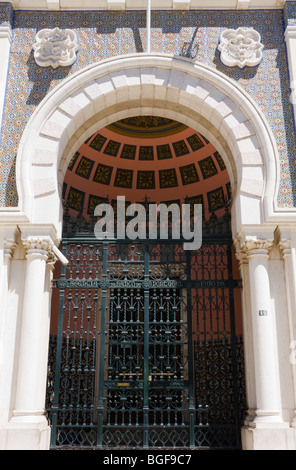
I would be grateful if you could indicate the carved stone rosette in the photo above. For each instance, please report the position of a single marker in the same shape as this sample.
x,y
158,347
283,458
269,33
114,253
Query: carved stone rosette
x,y
241,48
55,48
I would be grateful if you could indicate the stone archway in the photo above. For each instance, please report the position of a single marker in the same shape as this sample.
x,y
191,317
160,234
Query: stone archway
x,y
208,102
171,87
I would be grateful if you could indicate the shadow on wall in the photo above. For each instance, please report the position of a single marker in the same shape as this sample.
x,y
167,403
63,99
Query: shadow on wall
x,y
41,79
10,189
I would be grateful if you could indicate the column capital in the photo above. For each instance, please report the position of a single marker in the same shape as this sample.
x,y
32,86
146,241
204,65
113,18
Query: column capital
x,y
251,248
285,247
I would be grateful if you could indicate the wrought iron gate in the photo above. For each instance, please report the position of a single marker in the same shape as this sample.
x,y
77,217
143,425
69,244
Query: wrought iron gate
x,y
146,353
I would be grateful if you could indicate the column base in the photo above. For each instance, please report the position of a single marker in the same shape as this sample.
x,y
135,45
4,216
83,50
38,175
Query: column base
x,y
267,419
268,439
26,433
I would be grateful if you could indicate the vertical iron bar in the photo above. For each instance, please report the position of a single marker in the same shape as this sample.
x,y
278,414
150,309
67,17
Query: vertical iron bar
x,y
101,387
233,346
57,379
146,353
190,352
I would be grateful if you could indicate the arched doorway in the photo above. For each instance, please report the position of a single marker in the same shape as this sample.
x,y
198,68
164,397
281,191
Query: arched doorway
x,y
146,338
203,99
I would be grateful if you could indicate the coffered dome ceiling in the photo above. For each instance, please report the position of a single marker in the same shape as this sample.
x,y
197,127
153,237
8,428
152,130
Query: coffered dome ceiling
x,y
146,157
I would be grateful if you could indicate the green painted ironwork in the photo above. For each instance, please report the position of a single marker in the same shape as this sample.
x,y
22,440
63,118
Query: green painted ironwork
x,y
146,353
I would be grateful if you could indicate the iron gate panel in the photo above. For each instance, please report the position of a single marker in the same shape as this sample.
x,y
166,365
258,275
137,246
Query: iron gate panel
x,y
146,353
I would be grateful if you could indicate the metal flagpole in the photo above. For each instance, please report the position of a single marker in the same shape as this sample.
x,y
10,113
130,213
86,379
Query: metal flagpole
x,y
148,26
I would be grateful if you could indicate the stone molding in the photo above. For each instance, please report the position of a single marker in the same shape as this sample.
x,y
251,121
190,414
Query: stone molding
x,y
240,47
155,4
5,32
55,48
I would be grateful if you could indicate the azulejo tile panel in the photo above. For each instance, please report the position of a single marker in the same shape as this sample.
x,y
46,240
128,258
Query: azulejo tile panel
x,y
290,13
6,14
103,34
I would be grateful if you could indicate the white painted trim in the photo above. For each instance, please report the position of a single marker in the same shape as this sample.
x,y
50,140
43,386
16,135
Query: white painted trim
x,y
141,4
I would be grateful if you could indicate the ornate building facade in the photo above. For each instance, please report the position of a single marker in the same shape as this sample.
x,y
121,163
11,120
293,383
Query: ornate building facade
x,y
165,102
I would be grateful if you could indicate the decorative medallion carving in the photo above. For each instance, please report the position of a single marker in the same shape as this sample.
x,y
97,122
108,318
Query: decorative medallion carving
x,y
55,47
241,48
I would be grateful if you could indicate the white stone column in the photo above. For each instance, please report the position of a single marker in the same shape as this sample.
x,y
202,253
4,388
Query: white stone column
x,y
5,363
29,413
268,408
5,40
288,254
242,257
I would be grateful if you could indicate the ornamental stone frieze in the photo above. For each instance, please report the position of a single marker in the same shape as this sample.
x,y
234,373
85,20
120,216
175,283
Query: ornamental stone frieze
x,y
55,48
241,48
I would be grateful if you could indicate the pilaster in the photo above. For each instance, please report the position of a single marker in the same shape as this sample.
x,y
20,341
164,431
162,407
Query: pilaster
x,y
268,406
264,427
6,359
242,258
28,429
288,255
